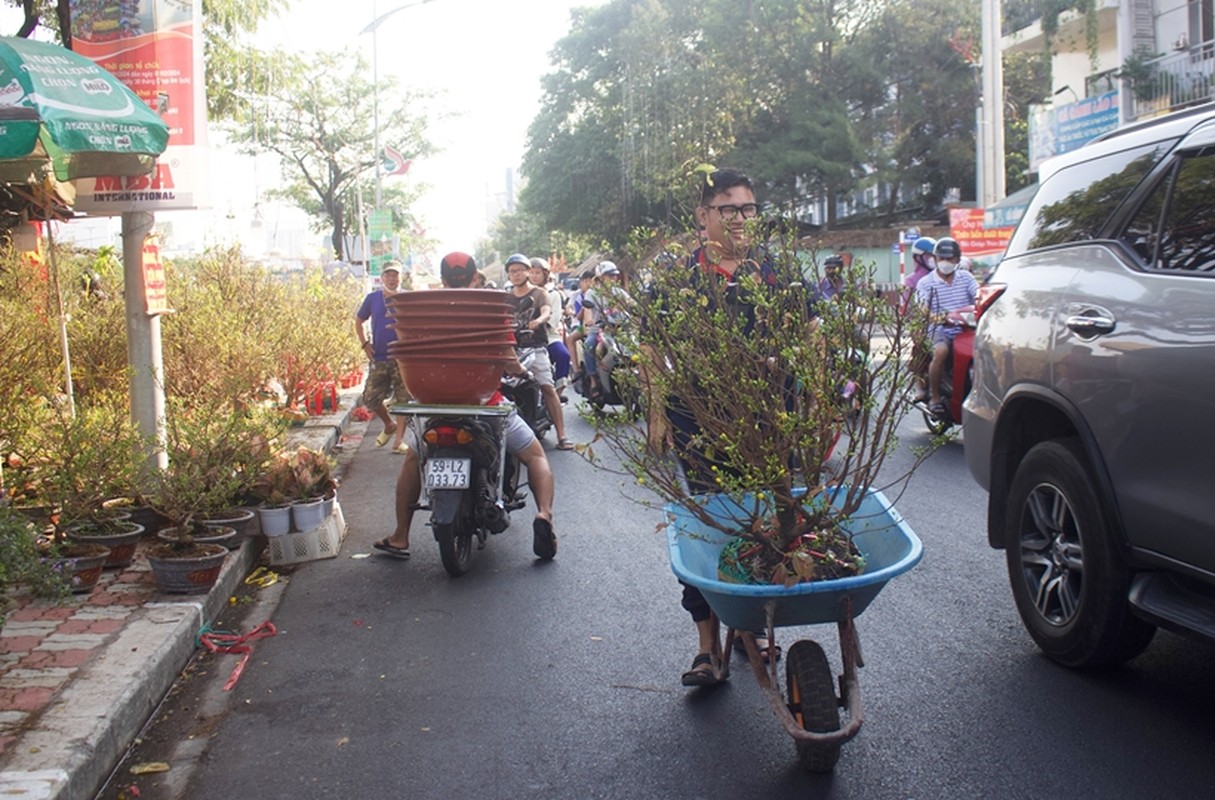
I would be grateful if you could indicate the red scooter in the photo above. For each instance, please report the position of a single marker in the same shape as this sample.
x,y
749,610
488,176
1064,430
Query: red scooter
x,y
958,374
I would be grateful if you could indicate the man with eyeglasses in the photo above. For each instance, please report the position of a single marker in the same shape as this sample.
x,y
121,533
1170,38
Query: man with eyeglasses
x,y
727,254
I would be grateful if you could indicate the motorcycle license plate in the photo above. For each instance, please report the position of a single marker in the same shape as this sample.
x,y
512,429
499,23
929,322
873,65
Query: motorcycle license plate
x,y
447,473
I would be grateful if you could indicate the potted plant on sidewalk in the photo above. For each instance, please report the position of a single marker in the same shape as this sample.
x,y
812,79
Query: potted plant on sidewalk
x,y
69,463
202,478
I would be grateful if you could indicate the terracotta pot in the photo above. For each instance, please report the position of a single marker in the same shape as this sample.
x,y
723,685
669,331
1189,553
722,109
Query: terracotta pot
x,y
120,536
499,333
243,520
194,573
448,299
84,563
210,534
435,349
452,379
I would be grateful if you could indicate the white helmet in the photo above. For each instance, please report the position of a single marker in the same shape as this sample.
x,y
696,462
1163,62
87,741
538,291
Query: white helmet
x,y
606,268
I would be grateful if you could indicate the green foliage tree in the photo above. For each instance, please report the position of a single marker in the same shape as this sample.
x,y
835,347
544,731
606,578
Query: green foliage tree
x,y
317,119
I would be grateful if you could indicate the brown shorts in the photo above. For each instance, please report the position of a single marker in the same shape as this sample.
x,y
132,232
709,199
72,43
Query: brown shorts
x,y
383,381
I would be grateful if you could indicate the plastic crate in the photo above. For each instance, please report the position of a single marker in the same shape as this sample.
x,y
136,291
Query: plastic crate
x,y
321,542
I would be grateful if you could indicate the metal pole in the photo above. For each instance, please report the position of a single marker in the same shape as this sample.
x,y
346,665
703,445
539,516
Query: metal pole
x,y
993,106
144,355
375,105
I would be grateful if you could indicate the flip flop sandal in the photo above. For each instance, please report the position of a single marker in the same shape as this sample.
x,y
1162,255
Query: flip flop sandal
x,y
544,541
739,647
701,673
383,438
391,550
565,444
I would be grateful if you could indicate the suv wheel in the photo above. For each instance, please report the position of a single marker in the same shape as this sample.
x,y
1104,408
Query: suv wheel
x,y
1068,579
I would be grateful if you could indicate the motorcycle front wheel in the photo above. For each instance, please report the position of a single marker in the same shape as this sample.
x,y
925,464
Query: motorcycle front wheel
x,y
456,540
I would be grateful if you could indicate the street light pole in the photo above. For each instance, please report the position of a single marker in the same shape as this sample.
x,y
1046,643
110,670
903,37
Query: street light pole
x,y
375,87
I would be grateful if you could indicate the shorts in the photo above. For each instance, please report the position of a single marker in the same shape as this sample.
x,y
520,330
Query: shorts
x,y
383,381
944,334
541,367
518,436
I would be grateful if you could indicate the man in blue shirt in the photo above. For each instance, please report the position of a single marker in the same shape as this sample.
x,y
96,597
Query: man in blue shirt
x,y
383,375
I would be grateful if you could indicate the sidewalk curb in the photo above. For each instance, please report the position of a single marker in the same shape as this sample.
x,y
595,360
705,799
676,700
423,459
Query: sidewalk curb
x,y
74,746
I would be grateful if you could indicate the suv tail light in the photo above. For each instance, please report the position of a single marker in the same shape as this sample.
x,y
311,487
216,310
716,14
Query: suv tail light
x,y
988,292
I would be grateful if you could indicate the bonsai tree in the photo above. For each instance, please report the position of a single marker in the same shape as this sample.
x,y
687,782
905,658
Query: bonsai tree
x,y
73,463
215,459
794,415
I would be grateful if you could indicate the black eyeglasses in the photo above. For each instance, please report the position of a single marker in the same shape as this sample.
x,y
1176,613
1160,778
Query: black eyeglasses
x,y
731,212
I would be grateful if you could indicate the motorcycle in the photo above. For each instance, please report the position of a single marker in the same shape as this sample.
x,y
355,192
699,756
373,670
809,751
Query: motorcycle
x,y
524,392
620,389
469,480
958,375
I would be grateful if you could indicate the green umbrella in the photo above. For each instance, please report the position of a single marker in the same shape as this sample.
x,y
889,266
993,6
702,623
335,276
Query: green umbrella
x,y
60,106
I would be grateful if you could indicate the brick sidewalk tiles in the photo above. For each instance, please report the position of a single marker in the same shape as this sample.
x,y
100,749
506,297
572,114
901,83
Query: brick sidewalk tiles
x,y
44,644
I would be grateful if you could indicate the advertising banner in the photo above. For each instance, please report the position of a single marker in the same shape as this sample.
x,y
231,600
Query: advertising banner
x,y
966,225
154,47
379,232
1061,129
155,288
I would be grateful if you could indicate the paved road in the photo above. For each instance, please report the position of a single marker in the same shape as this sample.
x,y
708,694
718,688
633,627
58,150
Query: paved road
x,y
560,680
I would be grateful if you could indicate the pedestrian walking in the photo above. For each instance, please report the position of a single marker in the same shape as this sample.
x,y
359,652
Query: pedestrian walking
x,y
384,379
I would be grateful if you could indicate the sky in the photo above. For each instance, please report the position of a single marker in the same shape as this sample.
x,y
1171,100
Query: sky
x,y
485,58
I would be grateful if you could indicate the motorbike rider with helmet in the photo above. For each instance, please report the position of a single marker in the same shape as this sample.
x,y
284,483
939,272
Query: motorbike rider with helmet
x,y
533,310
600,302
457,271
945,289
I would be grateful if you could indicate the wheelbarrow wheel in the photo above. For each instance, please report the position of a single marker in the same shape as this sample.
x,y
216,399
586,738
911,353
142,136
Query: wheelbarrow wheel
x,y
812,700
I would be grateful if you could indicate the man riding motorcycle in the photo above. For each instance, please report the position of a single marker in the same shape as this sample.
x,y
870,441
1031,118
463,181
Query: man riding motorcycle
x,y
945,289
457,271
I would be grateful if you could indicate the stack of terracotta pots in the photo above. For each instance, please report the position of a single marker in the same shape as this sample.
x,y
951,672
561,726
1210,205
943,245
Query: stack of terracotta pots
x,y
452,344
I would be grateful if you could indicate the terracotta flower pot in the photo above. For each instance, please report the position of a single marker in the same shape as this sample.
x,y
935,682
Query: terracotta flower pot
x,y
120,536
452,379
83,563
435,349
448,300
186,572
497,333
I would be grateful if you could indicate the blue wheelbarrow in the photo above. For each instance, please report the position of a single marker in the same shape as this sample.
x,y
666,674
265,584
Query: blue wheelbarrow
x,y
811,715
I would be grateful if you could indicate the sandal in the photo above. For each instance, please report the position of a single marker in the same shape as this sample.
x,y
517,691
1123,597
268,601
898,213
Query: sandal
x,y
937,410
761,643
701,673
565,444
544,541
392,550
383,438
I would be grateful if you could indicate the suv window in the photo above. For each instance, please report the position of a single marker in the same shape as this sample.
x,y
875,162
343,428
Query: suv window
x,y
1175,227
1076,202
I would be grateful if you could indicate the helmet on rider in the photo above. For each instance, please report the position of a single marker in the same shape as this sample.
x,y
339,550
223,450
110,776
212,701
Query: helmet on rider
x,y
457,269
519,258
606,268
948,253
833,261
948,249
921,251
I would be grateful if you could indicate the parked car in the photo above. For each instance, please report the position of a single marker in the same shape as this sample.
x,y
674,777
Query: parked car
x,y
1092,419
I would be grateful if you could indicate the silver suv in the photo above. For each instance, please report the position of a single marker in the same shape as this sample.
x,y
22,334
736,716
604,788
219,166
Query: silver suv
x,y
1092,419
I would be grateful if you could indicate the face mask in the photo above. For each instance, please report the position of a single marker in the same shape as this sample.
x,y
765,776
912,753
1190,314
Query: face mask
x,y
946,267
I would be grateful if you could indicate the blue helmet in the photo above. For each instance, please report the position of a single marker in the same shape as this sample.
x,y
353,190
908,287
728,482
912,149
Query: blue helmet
x,y
923,246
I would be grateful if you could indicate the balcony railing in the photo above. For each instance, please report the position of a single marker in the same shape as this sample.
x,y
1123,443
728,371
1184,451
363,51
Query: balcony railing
x,y
1173,81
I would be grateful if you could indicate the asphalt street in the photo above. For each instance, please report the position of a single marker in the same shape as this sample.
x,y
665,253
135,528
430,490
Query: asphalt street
x,y
521,679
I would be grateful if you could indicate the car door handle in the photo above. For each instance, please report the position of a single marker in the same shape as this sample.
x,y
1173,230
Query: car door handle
x,y
1091,322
